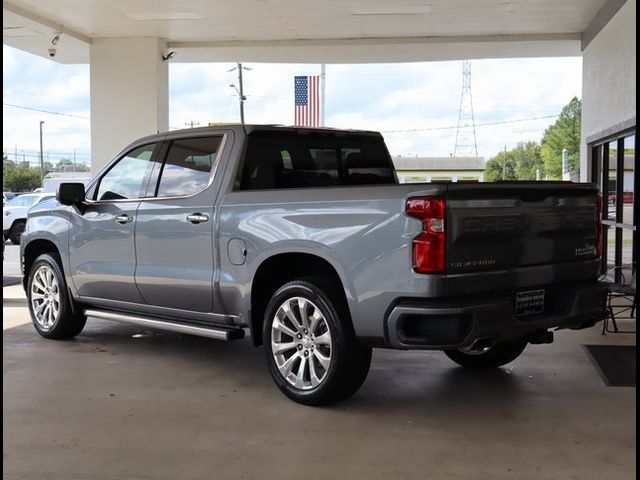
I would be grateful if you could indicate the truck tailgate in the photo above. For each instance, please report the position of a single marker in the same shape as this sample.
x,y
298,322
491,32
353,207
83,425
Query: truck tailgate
x,y
511,225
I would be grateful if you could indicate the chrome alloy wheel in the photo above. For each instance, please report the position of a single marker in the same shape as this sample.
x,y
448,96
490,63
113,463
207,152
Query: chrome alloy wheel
x,y
301,343
45,297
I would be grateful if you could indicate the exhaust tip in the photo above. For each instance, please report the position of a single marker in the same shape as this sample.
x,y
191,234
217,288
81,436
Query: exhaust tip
x,y
480,345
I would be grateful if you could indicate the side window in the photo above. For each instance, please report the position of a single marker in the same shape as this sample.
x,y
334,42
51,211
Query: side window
x,y
188,166
127,178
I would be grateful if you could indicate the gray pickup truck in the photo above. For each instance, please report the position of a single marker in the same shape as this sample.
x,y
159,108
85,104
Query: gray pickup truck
x,y
304,239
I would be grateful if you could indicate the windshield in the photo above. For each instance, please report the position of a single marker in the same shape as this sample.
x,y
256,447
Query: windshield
x,y
25,200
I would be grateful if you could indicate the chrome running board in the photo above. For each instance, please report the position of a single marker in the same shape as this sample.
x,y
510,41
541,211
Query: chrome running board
x,y
219,333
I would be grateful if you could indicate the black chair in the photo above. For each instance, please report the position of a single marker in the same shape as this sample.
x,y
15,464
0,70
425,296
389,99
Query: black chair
x,y
621,299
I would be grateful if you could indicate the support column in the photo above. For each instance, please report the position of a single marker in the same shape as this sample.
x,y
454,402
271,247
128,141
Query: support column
x,y
129,94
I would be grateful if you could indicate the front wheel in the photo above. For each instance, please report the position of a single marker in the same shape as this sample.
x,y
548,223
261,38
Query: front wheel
x,y
491,357
312,353
50,305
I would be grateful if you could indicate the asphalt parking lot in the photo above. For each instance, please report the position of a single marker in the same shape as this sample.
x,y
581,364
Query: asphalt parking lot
x,y
123,403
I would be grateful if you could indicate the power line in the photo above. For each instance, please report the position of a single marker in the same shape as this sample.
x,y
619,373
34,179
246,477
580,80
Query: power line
x,y
445,134
23,107
33,154
452,127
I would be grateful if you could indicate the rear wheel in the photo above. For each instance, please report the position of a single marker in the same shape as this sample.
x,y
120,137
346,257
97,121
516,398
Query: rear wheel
x,y
312,353
49,302
16,231
491,357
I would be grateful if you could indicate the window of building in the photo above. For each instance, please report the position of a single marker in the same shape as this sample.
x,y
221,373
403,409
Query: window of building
x,y
414,179
614,169
441,179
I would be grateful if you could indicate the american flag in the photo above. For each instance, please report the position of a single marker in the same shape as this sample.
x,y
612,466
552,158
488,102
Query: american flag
x,y
307,100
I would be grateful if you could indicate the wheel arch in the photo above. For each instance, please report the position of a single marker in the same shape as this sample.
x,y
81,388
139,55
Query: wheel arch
x,y
278,269
17,220
32,251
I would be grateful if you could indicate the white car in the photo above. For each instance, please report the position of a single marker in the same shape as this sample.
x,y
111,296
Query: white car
x,y
6,196
14,214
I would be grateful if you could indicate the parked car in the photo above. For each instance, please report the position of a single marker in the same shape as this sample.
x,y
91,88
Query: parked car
x,y
627,197
14,214
6,196
53,179
303,239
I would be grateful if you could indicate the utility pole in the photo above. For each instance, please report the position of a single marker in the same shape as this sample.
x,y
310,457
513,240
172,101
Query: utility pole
x,y
566,174
192,123
240,90
242,97
323,76
41,153
504,163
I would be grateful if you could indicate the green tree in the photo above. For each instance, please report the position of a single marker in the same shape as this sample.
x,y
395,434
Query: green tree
x,y
528,160
21,178
564,133
520,163
501,167
6,163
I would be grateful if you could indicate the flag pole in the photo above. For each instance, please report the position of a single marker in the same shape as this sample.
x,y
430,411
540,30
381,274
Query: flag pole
x,y
322,94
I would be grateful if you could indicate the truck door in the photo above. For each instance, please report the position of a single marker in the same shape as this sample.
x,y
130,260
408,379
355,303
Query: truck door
x,y
175,228
101,244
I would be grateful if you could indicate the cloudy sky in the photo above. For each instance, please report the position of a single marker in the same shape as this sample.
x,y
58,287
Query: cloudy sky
x,y
413,104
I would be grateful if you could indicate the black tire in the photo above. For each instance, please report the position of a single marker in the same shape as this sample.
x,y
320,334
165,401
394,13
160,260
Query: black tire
x,y
16,230
70,319
494,357
350,360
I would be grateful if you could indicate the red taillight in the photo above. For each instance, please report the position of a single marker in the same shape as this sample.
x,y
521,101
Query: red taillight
x,y
599,232
430,247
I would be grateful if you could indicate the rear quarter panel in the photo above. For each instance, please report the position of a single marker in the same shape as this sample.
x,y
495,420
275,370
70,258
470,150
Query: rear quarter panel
x,y
361,231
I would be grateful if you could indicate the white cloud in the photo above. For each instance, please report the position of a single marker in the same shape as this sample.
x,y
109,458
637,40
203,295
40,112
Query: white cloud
x,y
34,82
385,97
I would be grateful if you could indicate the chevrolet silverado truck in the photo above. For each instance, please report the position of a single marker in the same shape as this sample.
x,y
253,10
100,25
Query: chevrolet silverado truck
x,y
304,240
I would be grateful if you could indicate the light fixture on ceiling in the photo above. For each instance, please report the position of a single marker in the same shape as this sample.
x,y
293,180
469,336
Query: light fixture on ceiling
x,y
418,9
52,51
169,55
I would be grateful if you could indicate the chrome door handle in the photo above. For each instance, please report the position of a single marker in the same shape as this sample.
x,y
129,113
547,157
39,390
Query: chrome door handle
x,y
124,218
197,218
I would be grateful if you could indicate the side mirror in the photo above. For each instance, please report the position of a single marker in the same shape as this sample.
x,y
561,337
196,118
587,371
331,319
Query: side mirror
x,y
71,194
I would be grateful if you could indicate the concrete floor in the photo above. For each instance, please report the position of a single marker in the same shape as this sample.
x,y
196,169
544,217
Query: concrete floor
x,y
115,405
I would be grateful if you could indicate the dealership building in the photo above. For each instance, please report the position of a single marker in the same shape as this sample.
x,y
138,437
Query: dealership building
x,y
128,46
439,169
501,424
